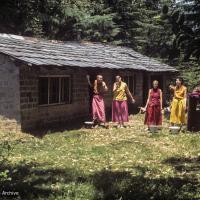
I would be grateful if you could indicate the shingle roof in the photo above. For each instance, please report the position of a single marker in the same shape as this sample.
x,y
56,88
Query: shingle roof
x,y
86,54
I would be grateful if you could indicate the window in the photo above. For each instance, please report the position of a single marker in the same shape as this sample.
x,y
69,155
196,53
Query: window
x,y
54,90
131,82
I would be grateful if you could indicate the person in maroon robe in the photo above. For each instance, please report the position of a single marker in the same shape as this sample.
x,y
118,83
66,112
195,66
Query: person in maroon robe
x,y
153,108
98,105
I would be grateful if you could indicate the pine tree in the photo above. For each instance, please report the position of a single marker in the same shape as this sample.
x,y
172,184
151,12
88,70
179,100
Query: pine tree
x,y
186,27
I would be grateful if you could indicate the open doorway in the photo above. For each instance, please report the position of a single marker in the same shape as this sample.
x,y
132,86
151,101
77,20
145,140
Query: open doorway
x,y
145,88
90,90
147,84
159,78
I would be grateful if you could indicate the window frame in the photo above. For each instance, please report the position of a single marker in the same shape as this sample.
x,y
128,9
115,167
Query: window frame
x,y
56,76
134,82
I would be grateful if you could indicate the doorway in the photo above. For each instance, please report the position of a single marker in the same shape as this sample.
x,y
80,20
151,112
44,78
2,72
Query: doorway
x,y
145,88
147,84
159,78
90,90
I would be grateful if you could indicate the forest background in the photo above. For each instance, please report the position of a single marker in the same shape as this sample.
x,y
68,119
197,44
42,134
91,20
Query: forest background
x,y
164,29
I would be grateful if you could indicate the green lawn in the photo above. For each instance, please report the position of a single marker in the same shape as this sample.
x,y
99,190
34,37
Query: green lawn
x,y
111,164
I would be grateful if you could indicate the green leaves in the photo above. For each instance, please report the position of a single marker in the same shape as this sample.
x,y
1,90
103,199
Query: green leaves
x,y
98,27
4,176
186,27
190,73
165,9
118,21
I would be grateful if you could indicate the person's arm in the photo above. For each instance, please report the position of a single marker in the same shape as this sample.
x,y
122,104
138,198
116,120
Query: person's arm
x,y
95,87
171,87
185,99
147,103
161,99
129,94
88,80
114,87
185,93
105,87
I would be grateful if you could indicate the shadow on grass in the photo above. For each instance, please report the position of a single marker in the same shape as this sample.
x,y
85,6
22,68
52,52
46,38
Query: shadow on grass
x,y
122,185
34,182
76,124
41,131
187,165
31,181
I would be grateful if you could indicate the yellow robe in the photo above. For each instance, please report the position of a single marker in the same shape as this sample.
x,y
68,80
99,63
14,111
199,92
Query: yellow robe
x,y
178,106
120,92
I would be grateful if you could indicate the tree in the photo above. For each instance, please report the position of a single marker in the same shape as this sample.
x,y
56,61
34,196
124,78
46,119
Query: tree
x,y
186,27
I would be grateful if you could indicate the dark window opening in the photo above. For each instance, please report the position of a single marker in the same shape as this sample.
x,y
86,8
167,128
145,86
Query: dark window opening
x,y
54,90
43,91
65,90
131,83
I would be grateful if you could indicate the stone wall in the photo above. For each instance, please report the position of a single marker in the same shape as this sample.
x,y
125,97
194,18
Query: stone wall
x,y
9,95
34,115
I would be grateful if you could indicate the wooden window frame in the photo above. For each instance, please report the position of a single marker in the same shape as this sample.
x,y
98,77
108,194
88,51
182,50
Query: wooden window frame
x,y
70,89
134,82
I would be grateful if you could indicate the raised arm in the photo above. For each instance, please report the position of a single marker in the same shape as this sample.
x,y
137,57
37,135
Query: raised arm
x,y
105,87
114,87
88,80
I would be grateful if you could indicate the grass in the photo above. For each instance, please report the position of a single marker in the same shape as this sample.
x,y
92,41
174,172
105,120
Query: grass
x,y
102,164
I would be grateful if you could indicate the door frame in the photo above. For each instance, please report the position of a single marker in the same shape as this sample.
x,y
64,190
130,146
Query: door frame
x,y
148,78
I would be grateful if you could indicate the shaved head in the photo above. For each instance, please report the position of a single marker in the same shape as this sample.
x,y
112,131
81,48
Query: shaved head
x,y
118,78
155,84
99,78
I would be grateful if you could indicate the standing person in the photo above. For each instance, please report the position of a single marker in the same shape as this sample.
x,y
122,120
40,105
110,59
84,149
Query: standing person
x,y
119,105
98,105
154,106
178,105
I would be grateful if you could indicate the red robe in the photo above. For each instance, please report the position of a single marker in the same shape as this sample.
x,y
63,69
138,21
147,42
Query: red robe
x,y
153,114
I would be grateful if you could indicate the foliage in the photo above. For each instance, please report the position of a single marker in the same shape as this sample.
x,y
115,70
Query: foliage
x,y
135,23
138,25
190,72
157,28
5,152
124,22
97,28
186,26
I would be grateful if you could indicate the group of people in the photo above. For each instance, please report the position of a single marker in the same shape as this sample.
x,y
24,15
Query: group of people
x,y
119,105
153,108
178,106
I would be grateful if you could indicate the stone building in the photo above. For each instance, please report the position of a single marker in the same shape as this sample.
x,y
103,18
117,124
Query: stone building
x,y
44,83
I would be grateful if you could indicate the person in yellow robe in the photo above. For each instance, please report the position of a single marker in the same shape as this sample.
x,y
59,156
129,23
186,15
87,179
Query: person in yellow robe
x,y
120,105
178,105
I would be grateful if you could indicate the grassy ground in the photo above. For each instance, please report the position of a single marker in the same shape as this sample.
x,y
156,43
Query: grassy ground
x,y
101,164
